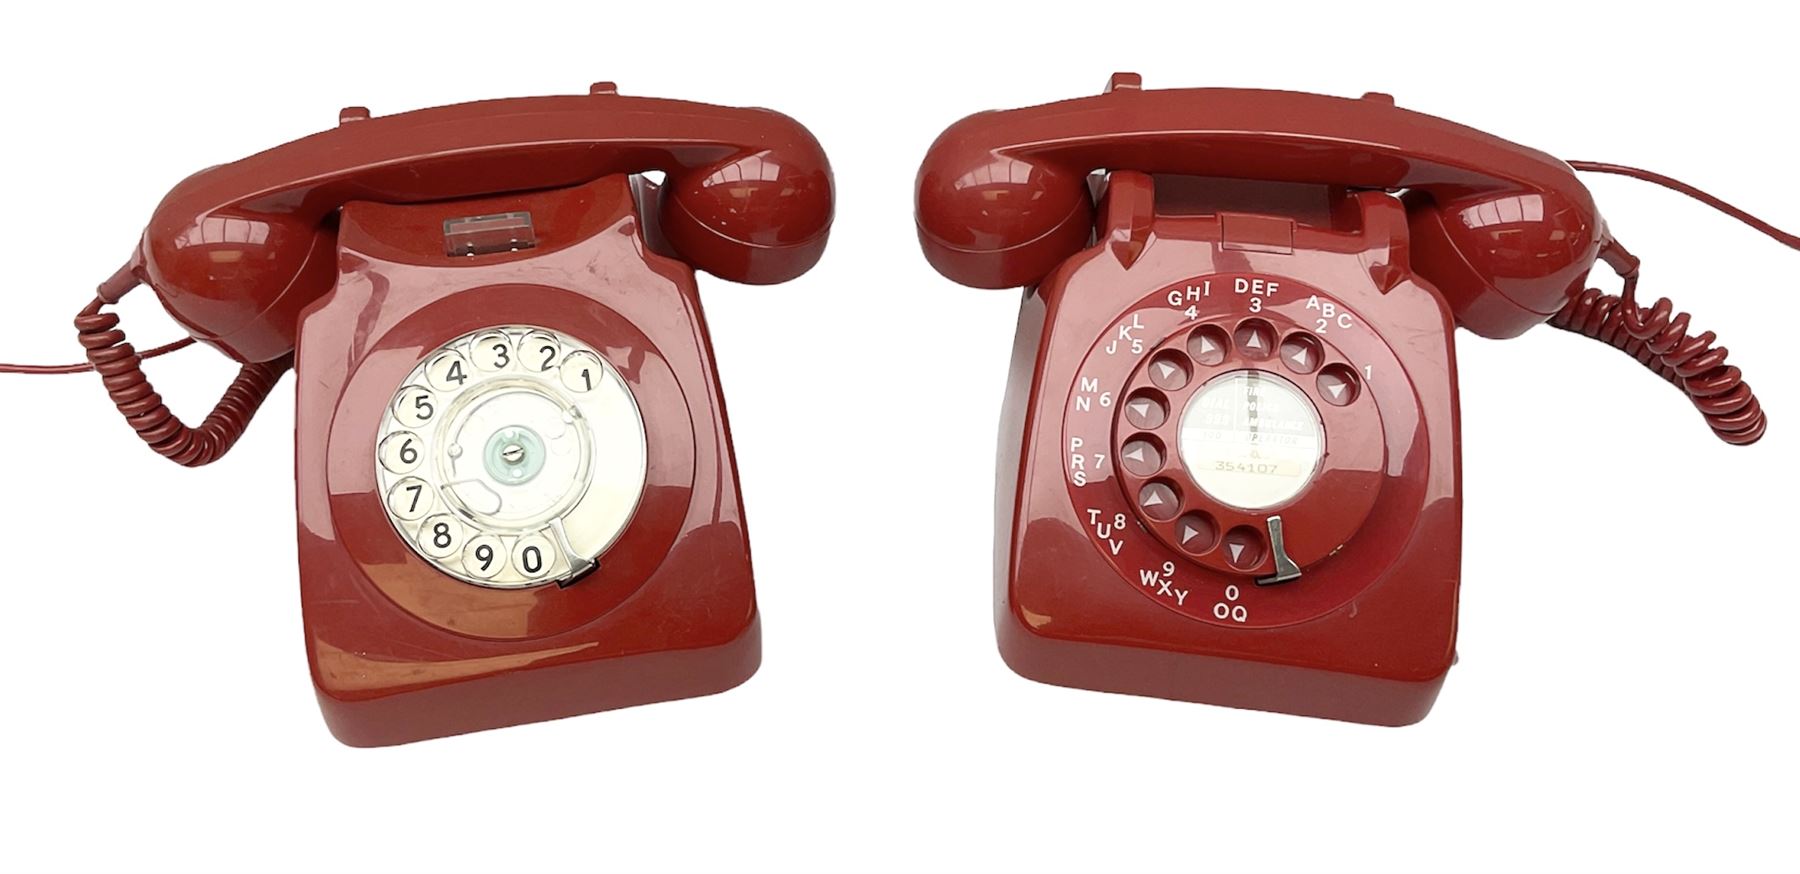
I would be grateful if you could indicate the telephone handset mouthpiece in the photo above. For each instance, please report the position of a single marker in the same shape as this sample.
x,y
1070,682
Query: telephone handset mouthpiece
x,y
236,251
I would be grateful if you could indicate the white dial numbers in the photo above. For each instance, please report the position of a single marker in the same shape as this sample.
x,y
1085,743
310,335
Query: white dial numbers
x,y
511,456
411,498
414,406
492,351
581,372
532,555
485,557
539,352
400,452
447,372
440,535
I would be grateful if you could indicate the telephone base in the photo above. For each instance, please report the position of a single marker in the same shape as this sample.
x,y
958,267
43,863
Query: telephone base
x,y
400,649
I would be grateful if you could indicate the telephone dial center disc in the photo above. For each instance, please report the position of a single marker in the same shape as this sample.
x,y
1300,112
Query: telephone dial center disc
x,y
1251,439
510,457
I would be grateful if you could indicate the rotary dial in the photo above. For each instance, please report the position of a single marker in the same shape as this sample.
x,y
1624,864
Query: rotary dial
x,y
511,457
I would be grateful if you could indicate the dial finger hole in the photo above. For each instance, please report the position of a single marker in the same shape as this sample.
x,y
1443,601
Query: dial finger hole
x,y
1338,385
440,536
1244,547
484,557
401,451
531,556
411,498
447,372
1142,455
1196,532
581,372
539,352
414,406
492,351
1255,338
1301,353
1169,371
1146,410
1207,345
1159,500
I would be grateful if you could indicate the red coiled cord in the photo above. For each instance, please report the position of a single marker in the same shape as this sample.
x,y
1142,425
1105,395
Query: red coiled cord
x,y
121,371
1690,362
1658,337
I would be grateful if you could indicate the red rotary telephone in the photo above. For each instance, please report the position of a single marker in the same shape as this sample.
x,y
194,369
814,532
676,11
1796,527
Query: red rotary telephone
x,y
516,494
1229,451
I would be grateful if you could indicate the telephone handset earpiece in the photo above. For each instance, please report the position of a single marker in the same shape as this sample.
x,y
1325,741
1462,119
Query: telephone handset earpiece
x,y
235,252
1505,233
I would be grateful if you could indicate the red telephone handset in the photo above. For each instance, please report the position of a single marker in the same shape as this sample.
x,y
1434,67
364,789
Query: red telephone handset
x,y
1234,384
1035,211
236,251
516,494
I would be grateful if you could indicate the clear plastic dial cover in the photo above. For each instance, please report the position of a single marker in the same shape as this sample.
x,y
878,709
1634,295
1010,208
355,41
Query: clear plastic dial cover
x,y
1251,439
512,456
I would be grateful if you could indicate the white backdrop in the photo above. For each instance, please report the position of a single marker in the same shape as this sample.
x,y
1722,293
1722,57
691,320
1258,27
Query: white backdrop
x,y
1624,697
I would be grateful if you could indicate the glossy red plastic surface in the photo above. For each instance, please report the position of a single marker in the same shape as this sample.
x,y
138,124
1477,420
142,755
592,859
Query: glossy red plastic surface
x,y
1232,540
1368,630
236,251
1226,215
1506,233
401,652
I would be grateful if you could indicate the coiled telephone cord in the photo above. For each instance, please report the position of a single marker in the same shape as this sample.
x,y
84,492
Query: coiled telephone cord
x,y
121,371
1658,336
1690,362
